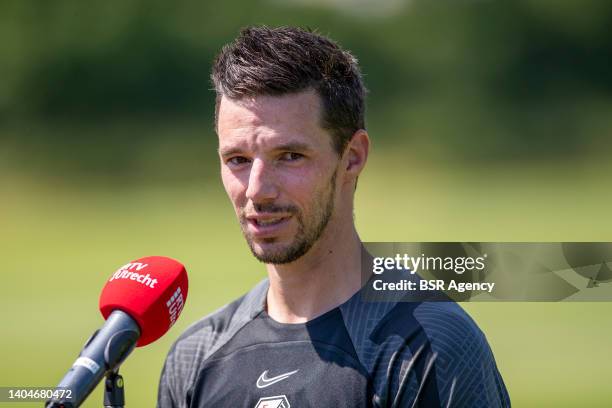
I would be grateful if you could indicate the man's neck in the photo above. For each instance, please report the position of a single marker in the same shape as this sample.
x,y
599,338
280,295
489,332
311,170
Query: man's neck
x,y
327,276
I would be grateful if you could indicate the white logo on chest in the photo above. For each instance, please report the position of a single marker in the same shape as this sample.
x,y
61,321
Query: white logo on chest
x,y
263,381
279,401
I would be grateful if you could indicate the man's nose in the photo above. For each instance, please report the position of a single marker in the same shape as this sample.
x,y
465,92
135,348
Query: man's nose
x,y
262,186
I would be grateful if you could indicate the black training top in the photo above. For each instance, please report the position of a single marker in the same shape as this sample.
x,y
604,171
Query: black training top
x,y
360,354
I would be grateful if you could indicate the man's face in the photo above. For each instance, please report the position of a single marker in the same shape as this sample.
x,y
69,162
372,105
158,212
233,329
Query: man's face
x,y
279,169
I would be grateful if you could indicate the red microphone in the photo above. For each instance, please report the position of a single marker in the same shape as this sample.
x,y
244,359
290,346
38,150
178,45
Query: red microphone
x,y
152,290
140,302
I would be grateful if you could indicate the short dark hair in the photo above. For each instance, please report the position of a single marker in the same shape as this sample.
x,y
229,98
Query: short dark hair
x,y
278,61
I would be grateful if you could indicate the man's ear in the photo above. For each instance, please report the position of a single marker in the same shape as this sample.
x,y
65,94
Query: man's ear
x,y
356,154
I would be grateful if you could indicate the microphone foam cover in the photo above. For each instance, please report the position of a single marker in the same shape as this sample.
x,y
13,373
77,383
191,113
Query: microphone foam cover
x,y
152,290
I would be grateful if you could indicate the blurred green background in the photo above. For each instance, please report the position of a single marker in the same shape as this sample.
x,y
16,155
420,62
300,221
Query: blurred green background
x,y
490,121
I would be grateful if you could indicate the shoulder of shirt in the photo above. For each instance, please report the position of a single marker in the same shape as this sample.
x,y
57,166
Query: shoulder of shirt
x,y
206,335
466,370
377,326
448,326
388,337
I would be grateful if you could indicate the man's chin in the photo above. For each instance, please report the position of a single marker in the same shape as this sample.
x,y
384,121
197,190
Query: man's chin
x,y
268,255
275,252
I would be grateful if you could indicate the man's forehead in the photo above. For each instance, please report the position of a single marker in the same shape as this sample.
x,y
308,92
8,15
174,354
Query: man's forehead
x,y
270,109
292,118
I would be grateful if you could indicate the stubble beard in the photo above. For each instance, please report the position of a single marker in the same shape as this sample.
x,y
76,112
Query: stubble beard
x,y
308,232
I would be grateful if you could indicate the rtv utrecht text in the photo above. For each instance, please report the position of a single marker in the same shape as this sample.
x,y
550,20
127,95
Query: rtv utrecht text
x,y
130,271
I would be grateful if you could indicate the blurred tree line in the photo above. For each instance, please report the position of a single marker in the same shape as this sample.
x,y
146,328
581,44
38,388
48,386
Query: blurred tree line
x,y
94,86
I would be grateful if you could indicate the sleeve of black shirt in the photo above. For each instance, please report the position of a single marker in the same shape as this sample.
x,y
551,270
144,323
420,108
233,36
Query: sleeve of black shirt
x,y
451,366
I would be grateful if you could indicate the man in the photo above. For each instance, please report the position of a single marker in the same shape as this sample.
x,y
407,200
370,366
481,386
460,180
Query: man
x,y
292,143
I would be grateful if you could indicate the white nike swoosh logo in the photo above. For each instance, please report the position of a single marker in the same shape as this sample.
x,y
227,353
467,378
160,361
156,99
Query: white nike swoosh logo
x,y
263,382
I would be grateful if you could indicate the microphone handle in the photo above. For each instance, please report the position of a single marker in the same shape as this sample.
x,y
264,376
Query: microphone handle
x,y
104,351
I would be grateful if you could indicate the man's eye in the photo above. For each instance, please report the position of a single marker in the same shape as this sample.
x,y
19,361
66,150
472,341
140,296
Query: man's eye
x,y
291,156
237,160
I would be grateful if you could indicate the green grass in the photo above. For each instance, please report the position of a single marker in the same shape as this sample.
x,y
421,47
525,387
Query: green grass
x,y
60,243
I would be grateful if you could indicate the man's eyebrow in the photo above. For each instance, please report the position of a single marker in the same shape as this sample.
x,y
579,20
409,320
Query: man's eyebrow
x,y
224,152
290,147
294,147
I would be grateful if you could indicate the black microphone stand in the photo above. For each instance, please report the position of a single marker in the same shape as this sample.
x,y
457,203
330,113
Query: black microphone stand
x,y
114,393
106,350
114,390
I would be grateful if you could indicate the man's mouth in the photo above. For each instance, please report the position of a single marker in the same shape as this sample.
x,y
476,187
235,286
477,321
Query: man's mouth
x,y
269,221
266,225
